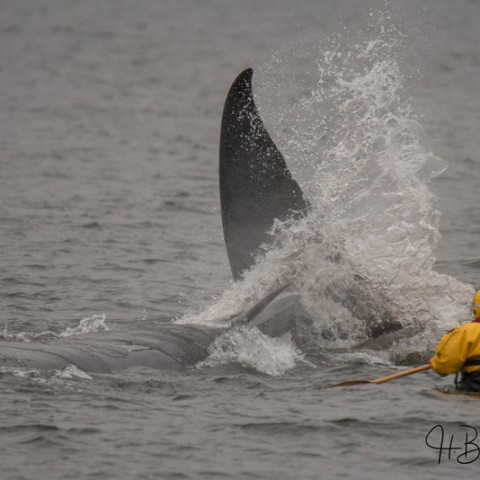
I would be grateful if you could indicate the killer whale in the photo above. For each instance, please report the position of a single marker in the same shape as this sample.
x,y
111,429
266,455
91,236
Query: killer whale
x,y
255,188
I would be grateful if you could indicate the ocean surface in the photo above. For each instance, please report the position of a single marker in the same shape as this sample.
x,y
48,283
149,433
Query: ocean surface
x,y
110,116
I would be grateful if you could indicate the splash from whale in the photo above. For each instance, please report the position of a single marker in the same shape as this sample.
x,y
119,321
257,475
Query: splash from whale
x,y
347,272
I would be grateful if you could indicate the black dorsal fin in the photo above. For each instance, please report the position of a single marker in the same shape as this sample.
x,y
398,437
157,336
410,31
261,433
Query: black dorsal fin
x,y
255,184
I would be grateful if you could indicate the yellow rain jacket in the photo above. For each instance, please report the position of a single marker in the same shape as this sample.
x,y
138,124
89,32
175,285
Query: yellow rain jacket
x,y
457,347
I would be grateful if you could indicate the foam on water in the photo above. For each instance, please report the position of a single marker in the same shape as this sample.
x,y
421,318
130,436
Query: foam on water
x,y
72,372
251,348
363,258
95,323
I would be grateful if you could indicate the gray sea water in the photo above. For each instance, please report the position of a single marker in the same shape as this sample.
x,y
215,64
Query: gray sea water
x,y
109,124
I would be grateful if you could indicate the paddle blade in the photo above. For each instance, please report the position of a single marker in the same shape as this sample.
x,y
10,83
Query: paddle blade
x,y
348,383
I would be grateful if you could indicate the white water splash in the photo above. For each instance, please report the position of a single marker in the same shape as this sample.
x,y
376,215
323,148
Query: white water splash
x,y
369,239
251,348
14,337
95,323
364,255
72,372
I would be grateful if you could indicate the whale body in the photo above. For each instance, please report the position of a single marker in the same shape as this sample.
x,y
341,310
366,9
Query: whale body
x,y
167,346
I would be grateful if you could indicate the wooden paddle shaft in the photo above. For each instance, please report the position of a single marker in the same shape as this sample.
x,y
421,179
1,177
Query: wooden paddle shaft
x,y
402,374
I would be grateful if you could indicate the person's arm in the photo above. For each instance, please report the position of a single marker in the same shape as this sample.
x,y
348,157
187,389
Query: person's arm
x,y
451,352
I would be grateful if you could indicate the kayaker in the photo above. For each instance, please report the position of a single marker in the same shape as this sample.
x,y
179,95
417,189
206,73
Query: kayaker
x,y
459,352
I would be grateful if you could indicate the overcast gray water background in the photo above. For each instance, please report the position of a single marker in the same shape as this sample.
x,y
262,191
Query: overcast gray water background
x,y
109,124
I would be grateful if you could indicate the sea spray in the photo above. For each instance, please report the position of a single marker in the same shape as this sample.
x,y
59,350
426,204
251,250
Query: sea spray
x,y
363,258
366,256
95,323
252,349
